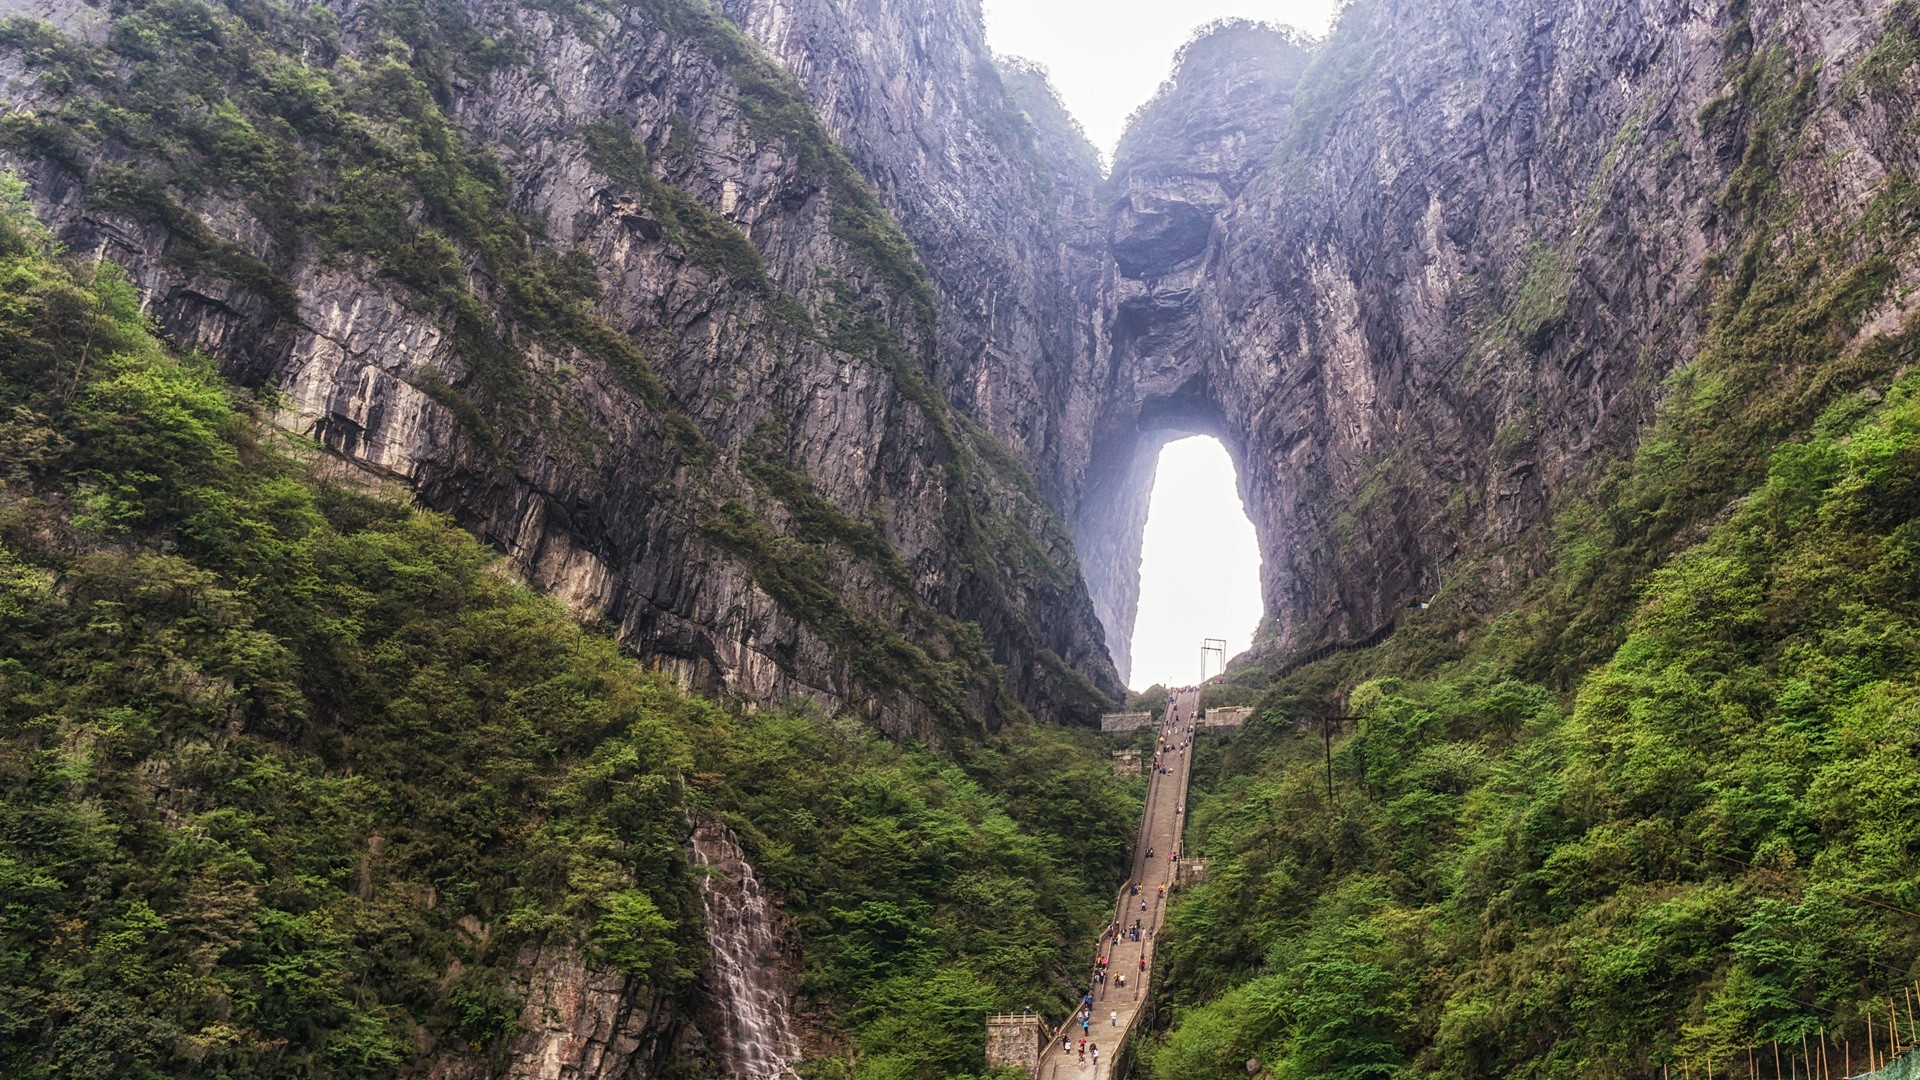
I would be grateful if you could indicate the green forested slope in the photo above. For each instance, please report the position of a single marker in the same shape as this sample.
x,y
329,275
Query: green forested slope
x,y
291,775
1714,844
1663,805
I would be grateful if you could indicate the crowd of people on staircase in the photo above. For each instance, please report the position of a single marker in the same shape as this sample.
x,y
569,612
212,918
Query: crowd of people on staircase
x,y
1175,738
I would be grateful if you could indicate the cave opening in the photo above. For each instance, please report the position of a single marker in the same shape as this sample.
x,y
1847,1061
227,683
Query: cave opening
x,y
1199,564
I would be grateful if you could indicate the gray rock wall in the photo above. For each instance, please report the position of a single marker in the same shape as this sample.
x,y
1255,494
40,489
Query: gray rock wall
x,y
1424,284
605,498
1418,279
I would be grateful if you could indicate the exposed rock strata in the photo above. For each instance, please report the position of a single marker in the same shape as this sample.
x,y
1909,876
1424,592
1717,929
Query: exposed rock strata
x,y
599,495
1003,196
1424,289
579,1024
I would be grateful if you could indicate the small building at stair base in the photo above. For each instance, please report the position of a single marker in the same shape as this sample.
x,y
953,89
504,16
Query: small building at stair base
x,y
1015,1042
1127,763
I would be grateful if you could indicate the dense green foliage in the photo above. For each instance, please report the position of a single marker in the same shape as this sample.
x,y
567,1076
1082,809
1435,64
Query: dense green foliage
x,y
1716,847
267,742
295,777
1664,808
934,894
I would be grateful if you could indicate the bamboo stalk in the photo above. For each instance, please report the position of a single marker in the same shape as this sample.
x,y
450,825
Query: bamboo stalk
x,y
1826,1056
1872,1052
1909,994
1776,1059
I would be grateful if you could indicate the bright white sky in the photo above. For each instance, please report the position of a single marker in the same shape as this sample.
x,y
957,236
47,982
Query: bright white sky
x,y
1109,56
1200,566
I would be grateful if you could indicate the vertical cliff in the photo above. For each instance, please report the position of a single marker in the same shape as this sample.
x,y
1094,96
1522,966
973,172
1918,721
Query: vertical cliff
x,y
1582,321
603,286
1433,278
997,188
1004,197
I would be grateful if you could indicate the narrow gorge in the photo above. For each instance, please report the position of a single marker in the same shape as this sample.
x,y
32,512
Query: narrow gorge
x,y
813,364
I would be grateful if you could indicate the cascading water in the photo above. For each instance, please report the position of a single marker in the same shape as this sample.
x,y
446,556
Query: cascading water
x,y
757,1040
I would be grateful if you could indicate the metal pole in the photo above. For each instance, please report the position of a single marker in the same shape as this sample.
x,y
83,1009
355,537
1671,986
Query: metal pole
x,y
1207,646
1326,735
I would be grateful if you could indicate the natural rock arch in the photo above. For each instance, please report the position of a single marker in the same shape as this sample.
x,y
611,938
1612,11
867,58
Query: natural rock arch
x,y
1111,521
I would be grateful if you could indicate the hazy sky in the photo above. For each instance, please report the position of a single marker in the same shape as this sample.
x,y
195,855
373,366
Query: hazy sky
x,y
1200,574
1109,56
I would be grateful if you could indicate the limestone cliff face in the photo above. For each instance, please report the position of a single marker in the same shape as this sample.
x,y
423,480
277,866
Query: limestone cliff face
x,y
1002,195
1418,278
729,445
1184,161
1424,282
998,190
579,1023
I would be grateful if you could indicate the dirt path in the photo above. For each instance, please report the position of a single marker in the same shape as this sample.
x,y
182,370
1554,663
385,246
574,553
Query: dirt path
x,y
1114,1007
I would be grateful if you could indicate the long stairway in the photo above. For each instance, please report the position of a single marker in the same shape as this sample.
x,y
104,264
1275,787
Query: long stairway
x,y
1115,1008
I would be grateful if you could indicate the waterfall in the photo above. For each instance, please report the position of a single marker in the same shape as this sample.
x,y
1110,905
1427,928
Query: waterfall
x,y
746,977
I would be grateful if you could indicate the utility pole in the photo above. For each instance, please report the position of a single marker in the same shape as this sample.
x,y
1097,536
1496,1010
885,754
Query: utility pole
x,y
1326,735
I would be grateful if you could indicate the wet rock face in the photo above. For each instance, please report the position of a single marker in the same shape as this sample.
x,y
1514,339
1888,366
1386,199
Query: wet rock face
x,y
751,978
578,1024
